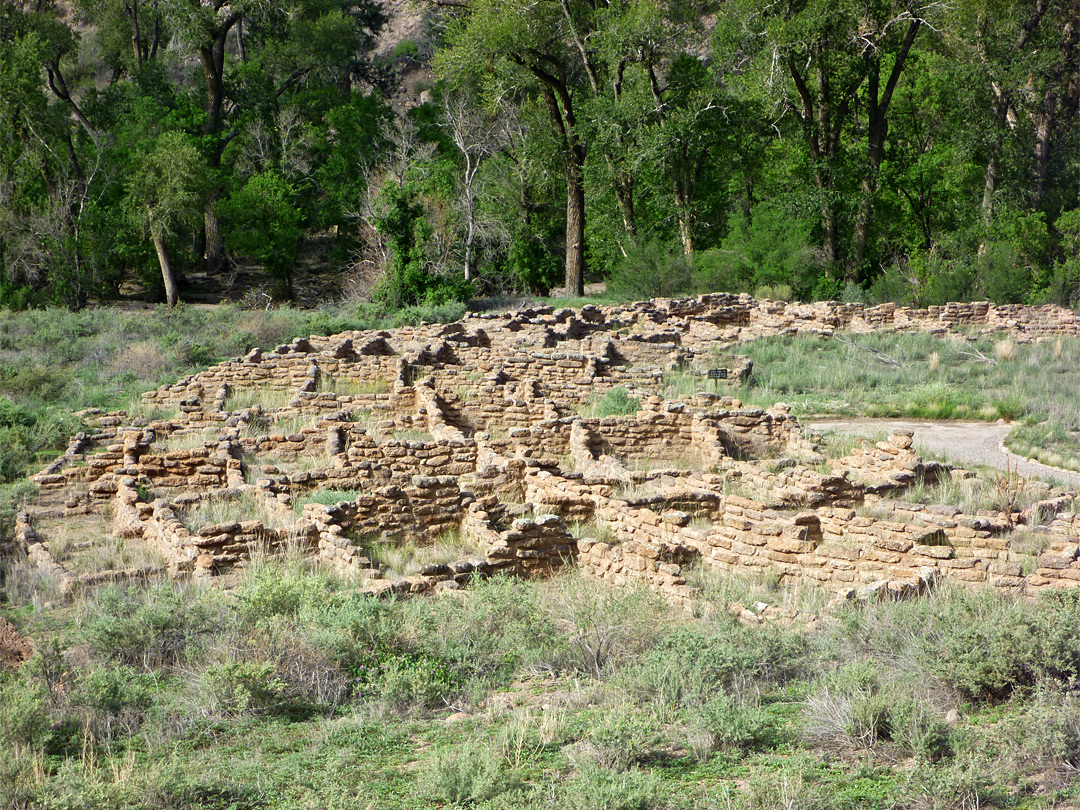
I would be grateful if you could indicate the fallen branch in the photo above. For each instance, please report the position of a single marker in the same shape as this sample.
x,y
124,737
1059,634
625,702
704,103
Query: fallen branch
x,y
877,353
978,357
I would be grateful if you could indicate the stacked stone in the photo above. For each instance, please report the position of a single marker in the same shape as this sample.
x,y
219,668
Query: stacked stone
x,y
198,467
657,565
532,546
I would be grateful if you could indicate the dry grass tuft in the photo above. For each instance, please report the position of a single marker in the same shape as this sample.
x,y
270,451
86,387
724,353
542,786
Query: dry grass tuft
x,y
1005,349
144,358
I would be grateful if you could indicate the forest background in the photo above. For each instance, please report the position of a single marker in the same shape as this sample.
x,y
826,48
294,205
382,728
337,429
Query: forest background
x,y
910,150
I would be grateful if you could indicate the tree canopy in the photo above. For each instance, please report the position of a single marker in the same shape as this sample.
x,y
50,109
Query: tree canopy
x,y
911,150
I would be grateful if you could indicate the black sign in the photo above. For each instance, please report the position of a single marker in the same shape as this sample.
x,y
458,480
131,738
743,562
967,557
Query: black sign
x,y
717,373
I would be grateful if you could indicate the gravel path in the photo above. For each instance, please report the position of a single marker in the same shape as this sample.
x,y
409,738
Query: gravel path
x,y
959,442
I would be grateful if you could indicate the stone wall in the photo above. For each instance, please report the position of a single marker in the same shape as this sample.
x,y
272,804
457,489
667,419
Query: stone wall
x,y
208,550
498,400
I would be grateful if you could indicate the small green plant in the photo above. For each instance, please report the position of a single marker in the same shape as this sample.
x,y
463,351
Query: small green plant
x,y
245,687
598,788
615,402
326,497
403,680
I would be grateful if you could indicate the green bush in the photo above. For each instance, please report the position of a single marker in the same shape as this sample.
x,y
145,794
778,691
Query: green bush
x,y
465,774
500,630
24,712
164,626
651,270
920,730
245,687
991,654
620,737
596,788
114,698
279,590
615,402
405,681
736,726
688,667
771,246
604,629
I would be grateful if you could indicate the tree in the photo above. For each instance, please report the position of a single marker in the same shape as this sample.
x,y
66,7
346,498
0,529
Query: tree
x,y
536,48
165,192
476,136
843,59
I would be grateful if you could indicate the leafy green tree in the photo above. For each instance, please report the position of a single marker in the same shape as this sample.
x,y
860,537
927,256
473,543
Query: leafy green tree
x,y
262,222
166,191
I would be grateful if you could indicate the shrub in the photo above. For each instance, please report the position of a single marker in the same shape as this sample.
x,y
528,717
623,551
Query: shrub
x,y
406,681
919,729
688,667
465,774
605,628
990,656
163,626
114,697
615,402
242,687
732,725
499,629
24,712
596,788
651,270
618,738
279,590
771,247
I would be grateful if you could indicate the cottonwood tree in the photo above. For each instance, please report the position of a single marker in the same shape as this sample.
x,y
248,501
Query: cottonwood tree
x,y
835,65
165,192
576,57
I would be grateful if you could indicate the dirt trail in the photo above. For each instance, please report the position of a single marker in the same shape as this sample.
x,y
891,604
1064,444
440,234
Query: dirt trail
x,y
959,442
14,649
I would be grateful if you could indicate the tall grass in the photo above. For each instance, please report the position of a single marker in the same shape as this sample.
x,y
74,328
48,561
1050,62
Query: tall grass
x,y
982,379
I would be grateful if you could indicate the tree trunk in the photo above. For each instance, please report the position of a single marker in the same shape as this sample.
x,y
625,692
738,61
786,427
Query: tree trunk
x,y
136,34
214,244
624,194
989,189
213,65
172,293
877,132
575,225
686,233
1044,126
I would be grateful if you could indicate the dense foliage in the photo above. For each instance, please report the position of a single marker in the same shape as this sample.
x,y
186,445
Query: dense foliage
x,y
892,149
292,690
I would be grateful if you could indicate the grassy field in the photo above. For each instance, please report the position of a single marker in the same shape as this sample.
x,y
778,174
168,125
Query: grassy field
x,y
920,376
293,692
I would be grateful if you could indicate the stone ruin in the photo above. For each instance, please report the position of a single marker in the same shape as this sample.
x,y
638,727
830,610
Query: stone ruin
x,y
478,435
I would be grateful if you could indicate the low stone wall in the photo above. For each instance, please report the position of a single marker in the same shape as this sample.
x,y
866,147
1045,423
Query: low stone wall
x,y
834,547
423,509
529,546
210,549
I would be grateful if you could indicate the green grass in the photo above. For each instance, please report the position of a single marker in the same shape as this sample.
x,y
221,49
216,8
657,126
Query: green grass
x,y
614,402
326,497
292,691
933,378
227,508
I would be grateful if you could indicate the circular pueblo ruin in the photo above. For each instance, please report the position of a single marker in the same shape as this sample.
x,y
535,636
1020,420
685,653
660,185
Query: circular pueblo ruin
x,y
486,439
